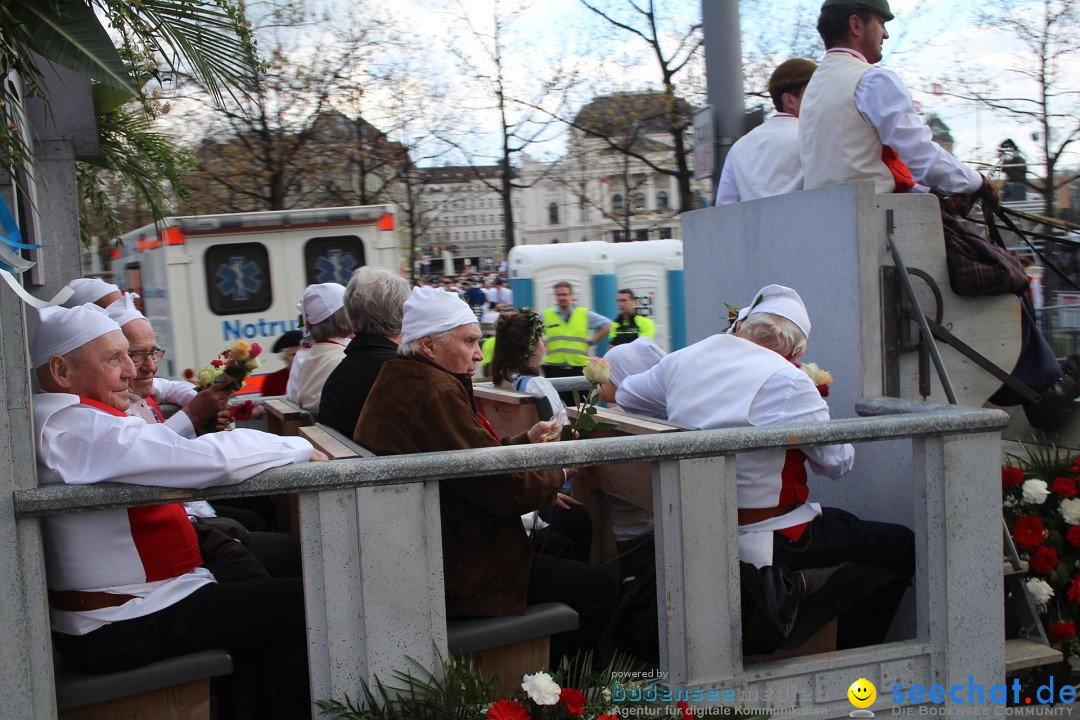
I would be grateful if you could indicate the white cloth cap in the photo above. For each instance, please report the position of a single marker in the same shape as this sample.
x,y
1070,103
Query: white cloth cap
x,y
61,330
123,310
432,310
88,290
321,301
782,301
633,358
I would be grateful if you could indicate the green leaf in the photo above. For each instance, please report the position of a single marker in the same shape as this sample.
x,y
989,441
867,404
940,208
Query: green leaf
x,y
72,37
108,99
585,423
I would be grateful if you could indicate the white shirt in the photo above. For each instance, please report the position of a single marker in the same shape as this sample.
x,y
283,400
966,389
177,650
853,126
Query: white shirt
x,y
725,381
762,163
78,445
309,373
884,101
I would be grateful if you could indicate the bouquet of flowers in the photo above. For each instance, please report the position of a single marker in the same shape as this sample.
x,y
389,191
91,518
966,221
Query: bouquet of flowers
x,y
1041,502
821,378
597,372
236,362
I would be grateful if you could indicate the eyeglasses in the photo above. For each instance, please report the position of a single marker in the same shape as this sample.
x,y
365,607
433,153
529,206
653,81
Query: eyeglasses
x,y
139,357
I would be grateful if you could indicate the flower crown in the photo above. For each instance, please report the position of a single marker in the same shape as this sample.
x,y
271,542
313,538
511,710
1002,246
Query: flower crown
x,y
536,327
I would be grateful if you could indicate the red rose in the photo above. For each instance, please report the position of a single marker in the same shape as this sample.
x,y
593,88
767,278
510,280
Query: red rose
x,y
216,363
573,700
1074,589
823,390
684,709
507,710
1076,466
1011,477
189,374
1062,630
1064,486
1044,560
256,349
1028,531
1073,536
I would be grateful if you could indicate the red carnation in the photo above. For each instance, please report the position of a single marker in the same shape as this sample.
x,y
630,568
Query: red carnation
x,y
216,363
244,411
189,374
507,710
684,709
1029,531
573,700
1062,630
1044,560
1074,589
1073,535
1011,477
612,716
1064,486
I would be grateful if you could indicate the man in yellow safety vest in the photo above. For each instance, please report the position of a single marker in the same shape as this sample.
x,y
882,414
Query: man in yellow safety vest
x,y
569,332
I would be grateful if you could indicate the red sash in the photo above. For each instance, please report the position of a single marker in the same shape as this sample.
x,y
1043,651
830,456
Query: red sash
x,y
488,426
155,408
163,535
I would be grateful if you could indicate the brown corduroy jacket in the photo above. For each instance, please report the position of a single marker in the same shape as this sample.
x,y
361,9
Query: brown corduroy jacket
x,y
415,407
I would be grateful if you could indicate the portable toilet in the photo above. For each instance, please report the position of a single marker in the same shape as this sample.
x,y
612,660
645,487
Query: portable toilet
x,y
653,270
589,267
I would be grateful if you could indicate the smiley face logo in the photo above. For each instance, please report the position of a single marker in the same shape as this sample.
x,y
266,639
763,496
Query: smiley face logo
x,y
862,693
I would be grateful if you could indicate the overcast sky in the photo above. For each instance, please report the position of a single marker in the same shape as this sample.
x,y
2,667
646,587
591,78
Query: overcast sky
x,y
932,41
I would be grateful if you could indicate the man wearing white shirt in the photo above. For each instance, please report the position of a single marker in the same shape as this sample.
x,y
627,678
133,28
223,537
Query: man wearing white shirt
x,y
766,160
125,585
749,379
857,121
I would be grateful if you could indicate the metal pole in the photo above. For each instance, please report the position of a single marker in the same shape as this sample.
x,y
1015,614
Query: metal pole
x,y
723,74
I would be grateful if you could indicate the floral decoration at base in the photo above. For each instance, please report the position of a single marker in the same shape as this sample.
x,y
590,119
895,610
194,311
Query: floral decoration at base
x,y
1041,503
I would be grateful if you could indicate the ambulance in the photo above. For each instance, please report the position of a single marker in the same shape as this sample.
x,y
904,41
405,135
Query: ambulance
x,y
207,281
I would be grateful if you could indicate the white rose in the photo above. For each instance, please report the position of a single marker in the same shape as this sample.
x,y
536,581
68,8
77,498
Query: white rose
x,y
1039,590
541,689
1035,492
1070,510
597,371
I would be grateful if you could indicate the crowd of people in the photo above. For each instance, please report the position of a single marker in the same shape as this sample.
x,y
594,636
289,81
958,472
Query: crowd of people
x,y
393,368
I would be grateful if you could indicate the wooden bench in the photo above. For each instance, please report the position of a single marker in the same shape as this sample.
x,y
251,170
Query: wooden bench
x,y
174,689
510,412
505,648
284,417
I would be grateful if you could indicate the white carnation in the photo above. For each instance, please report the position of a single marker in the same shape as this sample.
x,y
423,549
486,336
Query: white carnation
x,y
1070,510
541,689
1035,492
1039,590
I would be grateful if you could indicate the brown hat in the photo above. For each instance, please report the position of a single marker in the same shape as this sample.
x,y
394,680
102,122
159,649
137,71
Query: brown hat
x,y
881,7
791,74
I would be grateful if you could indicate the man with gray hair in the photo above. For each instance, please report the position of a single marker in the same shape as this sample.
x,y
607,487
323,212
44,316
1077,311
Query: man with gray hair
x,y
423,402
374,301
748,378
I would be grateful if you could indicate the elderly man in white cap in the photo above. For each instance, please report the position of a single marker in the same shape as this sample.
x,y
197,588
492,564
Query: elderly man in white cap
x,y
423,402
125,585
748,378
327,324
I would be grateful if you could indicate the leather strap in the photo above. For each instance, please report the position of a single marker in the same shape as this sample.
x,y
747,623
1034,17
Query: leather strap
x,y
749,516
83,600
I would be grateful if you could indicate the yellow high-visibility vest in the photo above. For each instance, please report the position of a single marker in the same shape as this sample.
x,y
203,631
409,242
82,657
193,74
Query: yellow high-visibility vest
x,y
567,342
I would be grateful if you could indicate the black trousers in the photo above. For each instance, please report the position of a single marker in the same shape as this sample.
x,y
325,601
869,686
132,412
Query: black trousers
x,y
587,589
261,624
838,537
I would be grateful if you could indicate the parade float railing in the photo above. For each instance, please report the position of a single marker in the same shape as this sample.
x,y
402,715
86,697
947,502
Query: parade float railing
x,y
373,573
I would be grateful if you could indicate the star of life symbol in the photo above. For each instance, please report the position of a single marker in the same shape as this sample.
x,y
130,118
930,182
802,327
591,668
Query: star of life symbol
x,y
239,278
335,266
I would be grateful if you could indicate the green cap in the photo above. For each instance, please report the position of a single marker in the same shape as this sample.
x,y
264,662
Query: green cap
x,y
881,7
791,74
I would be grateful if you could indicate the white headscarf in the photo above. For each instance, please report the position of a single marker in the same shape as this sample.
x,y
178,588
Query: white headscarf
x,y
432,310
633,358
